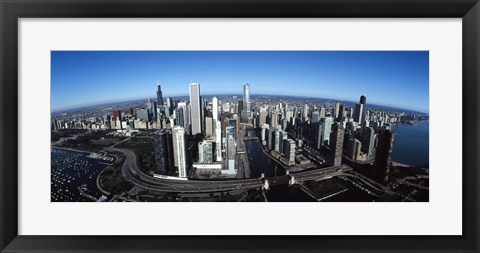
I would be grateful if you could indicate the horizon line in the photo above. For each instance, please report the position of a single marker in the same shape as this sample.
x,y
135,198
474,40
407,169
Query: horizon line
x,y
105,102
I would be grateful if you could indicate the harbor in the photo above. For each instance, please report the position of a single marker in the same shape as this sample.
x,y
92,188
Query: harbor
x,y
74,174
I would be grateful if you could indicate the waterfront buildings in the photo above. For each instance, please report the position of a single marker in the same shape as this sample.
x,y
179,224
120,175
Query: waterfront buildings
x,y
383,154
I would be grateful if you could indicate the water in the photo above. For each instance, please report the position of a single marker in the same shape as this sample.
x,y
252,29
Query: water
x,y
73,169
261,163
410,145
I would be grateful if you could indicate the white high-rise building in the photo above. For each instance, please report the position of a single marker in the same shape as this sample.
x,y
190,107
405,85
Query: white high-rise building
x,y
215,108
195,109
305,112
179,150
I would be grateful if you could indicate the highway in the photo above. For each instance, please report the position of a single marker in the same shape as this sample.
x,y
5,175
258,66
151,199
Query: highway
x,y
132,173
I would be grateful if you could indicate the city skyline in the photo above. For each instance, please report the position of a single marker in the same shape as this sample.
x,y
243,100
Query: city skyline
x,y
118,76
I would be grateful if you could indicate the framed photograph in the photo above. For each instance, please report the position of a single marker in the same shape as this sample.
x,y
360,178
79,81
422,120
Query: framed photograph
x,y
255,126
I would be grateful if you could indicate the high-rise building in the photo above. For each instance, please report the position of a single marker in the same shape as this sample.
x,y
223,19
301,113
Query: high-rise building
x,y
358,113
208,127
316,134
363,101
215,108
280,135
336,144
235,121
322,112
262,116
353,149
159,95
170,106
238,106
195,107
231,153
186,115
218,140
117,114
326,129
179,117
315,117
179,150
305,112
289,150
205,151
246,115
271,138
341,112
230,131
163,150
337,110
143,114
383,154
368,140
274,119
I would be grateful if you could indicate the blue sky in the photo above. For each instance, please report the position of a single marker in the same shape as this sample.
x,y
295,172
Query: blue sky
x,y
391,78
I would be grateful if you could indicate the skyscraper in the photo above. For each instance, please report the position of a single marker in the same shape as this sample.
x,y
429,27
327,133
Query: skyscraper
x,y
289,150
353,149
368,140
325,129
117,114
383,154
179,150
169,105
231,153
208,127
195,110
358,113
246,116
305,112
363,101
215,108
186,115
205,151
315,116
163,150
341,112
230,131
336,142
280,135
218,140
274,119
179,117
337,110
159,95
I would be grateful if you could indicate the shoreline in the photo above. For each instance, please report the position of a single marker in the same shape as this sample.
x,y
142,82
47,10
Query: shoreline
x,y
71,149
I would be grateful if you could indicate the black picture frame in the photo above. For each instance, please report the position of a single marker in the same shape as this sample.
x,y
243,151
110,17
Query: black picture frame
x,y
11,11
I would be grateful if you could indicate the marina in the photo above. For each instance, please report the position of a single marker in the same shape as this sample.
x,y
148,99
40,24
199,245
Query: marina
x,y
74,175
